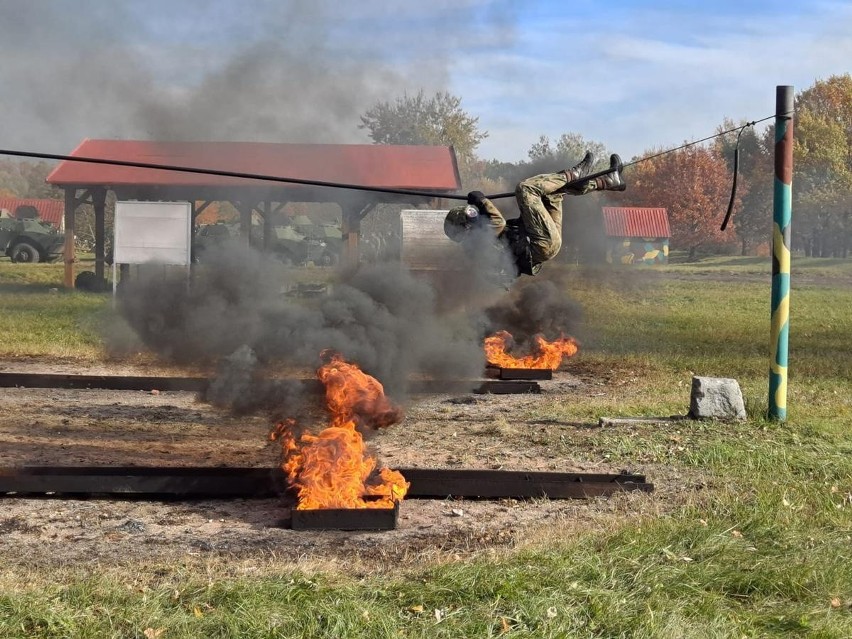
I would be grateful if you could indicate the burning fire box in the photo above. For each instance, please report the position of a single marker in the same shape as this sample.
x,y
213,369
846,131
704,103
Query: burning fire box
x,y
345,518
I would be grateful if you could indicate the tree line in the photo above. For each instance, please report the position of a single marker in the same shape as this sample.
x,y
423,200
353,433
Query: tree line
x,y
693,183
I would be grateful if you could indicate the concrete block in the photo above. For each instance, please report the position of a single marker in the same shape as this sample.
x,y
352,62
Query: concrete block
x,y
716,398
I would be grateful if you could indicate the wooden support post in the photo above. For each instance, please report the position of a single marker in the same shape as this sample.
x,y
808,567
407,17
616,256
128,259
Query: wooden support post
x,y
267,226
70,208
351,235
99,203
245,223
193,215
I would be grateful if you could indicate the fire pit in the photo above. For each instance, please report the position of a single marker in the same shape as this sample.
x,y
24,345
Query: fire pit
x,y
337,482
538,365
345,518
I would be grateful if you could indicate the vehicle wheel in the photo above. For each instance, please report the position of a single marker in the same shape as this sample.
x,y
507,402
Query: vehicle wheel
x,y
25,252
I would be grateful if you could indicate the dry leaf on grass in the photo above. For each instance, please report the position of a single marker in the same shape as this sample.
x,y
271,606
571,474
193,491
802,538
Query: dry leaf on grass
x,y
151,633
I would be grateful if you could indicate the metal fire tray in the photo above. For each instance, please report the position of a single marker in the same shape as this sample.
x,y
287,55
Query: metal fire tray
x,y
507,388
514,374
345,519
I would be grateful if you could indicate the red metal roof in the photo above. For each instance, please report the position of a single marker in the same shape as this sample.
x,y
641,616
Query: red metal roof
x,y
631,221
48,210
409,167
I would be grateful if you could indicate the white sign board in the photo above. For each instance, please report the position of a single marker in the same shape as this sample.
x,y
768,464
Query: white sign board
x,y
425,246
152,232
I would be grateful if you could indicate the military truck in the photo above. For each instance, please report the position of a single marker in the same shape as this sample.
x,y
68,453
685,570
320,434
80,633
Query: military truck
x,y
30,240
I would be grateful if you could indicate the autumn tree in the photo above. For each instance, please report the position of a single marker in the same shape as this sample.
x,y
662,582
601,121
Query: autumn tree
x,y
823,167
418,119
693,184
545,156
25,179
752,219
566,151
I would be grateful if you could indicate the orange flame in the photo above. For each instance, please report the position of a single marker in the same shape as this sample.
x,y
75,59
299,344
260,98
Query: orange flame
x,y
548,355
333,469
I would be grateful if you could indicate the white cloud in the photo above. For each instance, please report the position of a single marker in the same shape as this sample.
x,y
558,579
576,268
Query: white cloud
x,y
653,82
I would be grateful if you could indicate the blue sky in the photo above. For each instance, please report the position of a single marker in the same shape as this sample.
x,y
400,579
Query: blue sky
x,y
632,75
650,74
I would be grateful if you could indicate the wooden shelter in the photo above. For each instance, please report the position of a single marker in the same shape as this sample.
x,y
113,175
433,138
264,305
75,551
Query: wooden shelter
x,y
428,169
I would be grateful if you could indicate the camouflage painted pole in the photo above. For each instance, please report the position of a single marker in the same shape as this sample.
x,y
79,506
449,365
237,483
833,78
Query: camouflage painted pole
x,y
781,217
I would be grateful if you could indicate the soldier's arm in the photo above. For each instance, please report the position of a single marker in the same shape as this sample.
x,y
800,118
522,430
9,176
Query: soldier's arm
x,y
493,217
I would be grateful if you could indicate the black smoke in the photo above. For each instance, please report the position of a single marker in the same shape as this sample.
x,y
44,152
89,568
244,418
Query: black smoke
x,y
236,314
535,307
216,70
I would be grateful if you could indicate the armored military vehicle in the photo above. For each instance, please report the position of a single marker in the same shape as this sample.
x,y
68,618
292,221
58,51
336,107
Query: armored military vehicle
x,y
30,240
292,244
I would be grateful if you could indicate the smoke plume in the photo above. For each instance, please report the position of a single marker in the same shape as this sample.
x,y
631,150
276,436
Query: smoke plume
x,y
215,70
236,313
535,306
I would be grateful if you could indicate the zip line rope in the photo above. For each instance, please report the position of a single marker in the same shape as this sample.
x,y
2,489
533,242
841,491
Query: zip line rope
x,y
354,187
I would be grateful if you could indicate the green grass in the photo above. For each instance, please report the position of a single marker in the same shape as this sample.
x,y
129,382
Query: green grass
x,y
42,318
762,549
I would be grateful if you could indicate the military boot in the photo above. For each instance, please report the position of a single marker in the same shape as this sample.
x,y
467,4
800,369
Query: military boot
x,y
582,168
611,181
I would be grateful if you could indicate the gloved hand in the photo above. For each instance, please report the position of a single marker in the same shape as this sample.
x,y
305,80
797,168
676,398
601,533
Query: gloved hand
x,y
475,198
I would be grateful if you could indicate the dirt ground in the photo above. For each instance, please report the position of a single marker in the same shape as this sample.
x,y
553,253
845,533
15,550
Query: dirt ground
x,y
94,427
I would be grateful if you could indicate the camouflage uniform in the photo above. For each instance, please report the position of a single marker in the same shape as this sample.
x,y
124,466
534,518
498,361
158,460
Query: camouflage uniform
x,y
540,201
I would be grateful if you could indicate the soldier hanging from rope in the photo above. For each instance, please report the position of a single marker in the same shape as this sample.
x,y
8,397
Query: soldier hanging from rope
x,y
536,236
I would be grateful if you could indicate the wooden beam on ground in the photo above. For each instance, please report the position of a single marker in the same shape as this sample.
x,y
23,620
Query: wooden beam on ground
x,y
106,382
236,482
129,480
439,483
9,379
640,421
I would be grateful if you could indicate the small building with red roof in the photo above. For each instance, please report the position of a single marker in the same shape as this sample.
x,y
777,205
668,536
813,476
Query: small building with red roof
x,y
636,235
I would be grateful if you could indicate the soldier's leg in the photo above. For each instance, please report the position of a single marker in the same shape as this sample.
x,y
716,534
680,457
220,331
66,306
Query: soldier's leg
x,y
540,201
541,210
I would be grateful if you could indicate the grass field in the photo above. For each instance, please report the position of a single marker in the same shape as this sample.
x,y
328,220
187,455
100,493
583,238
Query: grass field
x,y
765,550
